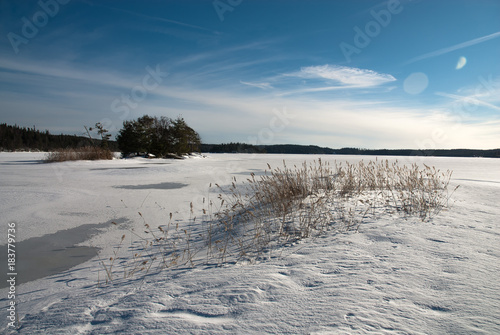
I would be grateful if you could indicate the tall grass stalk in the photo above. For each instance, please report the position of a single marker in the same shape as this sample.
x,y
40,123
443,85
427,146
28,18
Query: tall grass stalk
x,y
252,218
83,153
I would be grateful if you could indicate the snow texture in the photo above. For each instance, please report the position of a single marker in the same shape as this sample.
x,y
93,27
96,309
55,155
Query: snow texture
x,y
394,276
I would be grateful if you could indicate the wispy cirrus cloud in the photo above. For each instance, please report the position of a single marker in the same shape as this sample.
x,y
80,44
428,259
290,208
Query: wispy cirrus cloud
x,y
75,96
62,72
264,86
322,78
162,19
454,47
468,99
344,76
487,94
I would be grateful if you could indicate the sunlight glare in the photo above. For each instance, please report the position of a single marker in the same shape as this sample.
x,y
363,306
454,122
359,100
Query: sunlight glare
x,y
416,83
461,63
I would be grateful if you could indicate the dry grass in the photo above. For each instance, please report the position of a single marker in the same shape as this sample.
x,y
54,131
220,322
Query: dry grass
x,y
289,204
83,153
253,219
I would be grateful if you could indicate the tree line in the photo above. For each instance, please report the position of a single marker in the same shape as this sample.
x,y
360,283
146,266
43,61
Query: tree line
x,y
164,136
14,138
158,136
316,150
232,147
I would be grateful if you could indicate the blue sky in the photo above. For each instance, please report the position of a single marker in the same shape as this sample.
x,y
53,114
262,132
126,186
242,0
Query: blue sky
x,y
371,74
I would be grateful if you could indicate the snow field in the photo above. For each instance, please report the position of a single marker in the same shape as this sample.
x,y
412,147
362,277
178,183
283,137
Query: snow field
x,y
395,276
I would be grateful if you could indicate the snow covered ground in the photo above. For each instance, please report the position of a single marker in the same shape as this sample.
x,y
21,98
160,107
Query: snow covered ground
x,y
393,276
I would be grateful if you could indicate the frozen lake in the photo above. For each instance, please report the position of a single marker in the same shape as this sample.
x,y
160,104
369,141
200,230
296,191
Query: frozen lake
x,y
63,213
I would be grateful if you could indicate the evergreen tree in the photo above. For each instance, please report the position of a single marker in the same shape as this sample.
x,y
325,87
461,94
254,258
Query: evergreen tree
x,y
103,133
163,136
158,136
17,138
185,138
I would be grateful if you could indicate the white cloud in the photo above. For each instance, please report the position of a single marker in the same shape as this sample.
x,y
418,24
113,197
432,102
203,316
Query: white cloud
x,y
263,86
226,113
468,100
454,47
64,72
345,76
486,93
162,19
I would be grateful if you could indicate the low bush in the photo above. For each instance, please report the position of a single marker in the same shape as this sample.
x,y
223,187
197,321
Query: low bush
x,y
83,153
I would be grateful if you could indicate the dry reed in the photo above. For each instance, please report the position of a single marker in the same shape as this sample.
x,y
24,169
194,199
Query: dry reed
x,y
83,153
252,219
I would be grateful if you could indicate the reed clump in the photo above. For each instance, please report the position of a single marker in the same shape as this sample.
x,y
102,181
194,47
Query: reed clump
x,y
255,219
74,154
289,204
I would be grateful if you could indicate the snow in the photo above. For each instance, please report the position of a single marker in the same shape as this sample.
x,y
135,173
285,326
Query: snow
x,y
394,276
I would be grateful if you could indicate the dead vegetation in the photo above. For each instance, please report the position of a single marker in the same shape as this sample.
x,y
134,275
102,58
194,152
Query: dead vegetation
x,y
83,153
255,219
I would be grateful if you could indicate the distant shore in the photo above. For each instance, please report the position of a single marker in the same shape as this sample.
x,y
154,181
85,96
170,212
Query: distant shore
x,y
313,149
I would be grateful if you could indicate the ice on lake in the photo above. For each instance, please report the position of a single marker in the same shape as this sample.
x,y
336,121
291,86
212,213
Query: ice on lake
x,y
396,275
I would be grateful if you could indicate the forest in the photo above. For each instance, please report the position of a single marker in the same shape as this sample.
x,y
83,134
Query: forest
x,y
16,138
313,149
